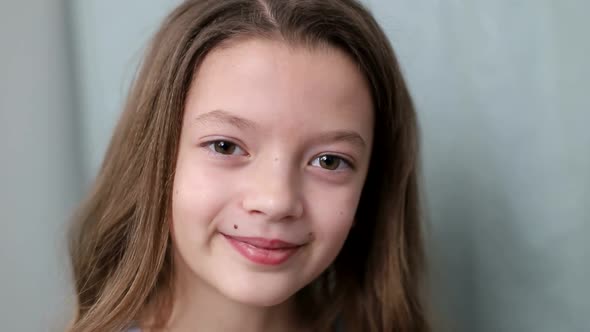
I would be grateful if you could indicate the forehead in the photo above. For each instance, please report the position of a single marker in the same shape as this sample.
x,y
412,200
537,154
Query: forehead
x,y
282,86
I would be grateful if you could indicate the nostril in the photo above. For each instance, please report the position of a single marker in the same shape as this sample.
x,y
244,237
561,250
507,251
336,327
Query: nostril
x,y
256,212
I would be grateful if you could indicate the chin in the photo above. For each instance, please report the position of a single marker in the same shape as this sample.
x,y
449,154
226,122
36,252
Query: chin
x,y
259,294
264,300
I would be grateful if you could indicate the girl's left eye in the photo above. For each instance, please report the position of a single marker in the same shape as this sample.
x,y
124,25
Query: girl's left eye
x,y
331,162
225,148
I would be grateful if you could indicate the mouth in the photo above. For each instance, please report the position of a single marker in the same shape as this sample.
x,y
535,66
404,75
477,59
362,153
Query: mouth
x,y
263,251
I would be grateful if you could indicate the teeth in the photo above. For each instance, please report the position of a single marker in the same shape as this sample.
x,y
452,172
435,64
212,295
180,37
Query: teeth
x,y
251,246
260,248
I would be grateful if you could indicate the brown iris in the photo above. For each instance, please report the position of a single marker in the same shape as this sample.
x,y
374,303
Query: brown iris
x,y
329,162
224,147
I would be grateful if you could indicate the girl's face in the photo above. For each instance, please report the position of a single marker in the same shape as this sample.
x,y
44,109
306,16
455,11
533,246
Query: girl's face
x,y
273,155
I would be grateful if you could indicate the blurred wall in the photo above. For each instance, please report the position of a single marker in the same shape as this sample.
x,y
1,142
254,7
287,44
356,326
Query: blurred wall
x,y
109,37
41,174
501,91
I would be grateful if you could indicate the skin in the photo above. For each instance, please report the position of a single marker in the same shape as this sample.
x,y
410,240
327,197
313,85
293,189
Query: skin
x,y
266,181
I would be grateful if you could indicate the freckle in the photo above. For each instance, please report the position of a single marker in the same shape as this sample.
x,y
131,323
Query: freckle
x,y
235,226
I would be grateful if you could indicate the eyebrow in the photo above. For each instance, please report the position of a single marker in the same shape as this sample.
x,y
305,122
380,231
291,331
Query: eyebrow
x,y
348,136
222,117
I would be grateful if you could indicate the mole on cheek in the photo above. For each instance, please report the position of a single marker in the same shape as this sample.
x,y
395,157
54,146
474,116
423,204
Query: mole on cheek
x,y
235,226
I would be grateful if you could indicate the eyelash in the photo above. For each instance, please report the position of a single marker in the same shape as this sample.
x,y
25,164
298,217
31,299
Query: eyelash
x,y
211,150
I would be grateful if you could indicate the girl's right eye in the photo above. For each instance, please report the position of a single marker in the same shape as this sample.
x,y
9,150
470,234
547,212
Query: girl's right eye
x,y
225,148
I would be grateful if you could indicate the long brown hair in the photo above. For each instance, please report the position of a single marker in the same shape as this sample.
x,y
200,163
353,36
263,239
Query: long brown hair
x,y
120,240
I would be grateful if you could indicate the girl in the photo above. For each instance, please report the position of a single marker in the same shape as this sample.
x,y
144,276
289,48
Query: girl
x,y
262,177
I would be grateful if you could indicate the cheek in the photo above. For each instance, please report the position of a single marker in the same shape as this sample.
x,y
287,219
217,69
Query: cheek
x,y
332,215
331,226
196,198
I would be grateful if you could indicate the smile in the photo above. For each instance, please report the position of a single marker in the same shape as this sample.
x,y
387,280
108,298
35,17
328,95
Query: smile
x,y
263,251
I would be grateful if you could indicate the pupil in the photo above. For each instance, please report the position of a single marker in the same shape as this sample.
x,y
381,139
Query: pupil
x,y
329,162
224,147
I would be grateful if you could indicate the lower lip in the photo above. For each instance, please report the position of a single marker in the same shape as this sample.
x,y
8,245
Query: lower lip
x,y
261,255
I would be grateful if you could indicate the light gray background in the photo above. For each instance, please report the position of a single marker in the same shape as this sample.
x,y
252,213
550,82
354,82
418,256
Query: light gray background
x,y
501,89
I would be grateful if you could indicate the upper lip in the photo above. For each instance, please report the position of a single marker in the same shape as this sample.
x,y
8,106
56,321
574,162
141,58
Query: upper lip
x,y
264,243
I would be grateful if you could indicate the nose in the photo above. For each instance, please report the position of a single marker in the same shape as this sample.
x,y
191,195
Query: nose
x,y
274,193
